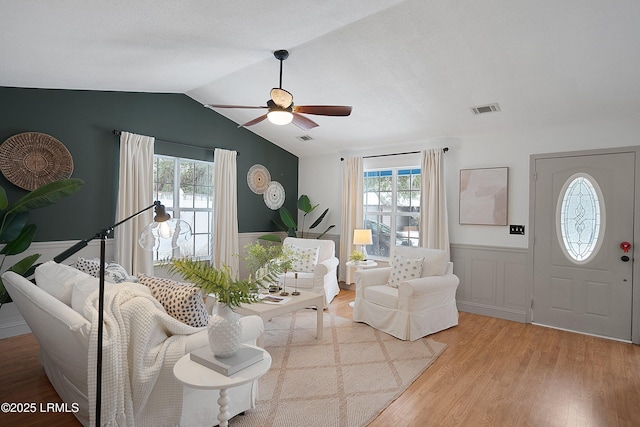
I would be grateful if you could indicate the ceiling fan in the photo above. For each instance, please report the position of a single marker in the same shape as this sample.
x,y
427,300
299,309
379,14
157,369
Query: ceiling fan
x,y
281,108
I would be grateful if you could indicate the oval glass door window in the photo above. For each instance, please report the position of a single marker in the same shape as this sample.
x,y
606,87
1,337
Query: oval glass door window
x,y
580,218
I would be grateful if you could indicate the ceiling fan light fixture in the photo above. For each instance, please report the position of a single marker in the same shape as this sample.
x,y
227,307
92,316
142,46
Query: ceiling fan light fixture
x,y
280,117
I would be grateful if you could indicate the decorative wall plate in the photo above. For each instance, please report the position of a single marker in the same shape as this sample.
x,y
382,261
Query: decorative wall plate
x,y
274,196
33,159
258,179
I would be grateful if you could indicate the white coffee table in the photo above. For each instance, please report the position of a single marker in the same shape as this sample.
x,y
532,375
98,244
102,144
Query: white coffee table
x,y
267,311
195,375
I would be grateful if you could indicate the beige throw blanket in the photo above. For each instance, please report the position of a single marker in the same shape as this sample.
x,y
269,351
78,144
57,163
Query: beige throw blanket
x,y
141,344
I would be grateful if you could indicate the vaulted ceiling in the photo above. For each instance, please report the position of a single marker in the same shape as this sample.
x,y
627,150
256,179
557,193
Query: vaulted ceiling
x,y
411,69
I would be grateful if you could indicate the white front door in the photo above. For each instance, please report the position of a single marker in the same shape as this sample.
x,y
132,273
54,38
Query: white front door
x,y
583,209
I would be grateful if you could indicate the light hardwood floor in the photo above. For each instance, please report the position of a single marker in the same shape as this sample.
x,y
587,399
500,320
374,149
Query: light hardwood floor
x,y
494,373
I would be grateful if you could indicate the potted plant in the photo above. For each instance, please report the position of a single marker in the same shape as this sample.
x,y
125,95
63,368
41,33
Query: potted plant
x,y
289,224
16,234
356,256
224,328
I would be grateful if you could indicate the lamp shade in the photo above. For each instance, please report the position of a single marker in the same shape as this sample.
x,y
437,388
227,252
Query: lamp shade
x,y
362,237
175,231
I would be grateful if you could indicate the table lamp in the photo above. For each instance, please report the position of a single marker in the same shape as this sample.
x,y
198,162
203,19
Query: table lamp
x,y
363,238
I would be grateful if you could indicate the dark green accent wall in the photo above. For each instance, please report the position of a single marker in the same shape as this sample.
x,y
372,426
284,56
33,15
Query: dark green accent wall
x,y
84,120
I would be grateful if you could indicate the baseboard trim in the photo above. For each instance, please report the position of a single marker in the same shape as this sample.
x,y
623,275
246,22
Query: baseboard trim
x,y
492,311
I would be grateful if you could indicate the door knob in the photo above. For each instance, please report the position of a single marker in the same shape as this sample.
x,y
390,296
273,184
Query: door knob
x,y
625,246
624,258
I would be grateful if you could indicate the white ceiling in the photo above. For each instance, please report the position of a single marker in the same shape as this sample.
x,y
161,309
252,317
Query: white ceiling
x,y
411,69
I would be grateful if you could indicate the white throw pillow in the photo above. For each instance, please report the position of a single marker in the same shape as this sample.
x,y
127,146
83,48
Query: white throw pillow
x,y
82,290
58,280
113,272
182,301
304,259
403,268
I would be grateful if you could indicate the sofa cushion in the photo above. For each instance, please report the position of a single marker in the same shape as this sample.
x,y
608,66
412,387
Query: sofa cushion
x,y
113,272
403,268
304,259
59,280
182,301
383,295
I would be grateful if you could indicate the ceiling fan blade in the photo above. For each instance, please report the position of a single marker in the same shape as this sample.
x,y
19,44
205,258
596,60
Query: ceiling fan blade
x,y
302,122
212,106
254,121
281,97
323,110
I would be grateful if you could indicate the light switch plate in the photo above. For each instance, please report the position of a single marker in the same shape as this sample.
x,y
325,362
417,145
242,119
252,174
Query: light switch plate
x,y
516,229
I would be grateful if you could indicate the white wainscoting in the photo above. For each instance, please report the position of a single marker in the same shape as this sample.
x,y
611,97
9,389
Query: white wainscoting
x,y
493,280
11,322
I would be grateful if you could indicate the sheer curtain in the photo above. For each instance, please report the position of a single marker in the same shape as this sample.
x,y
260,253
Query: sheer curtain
x,y
135,192
225,210
352,210
434,226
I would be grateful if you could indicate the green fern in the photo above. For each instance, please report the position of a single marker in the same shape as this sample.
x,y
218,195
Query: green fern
x,y
218,281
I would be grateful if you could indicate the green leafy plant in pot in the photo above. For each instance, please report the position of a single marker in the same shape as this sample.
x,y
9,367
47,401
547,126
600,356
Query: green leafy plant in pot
x,y
291,226
16,234
224,326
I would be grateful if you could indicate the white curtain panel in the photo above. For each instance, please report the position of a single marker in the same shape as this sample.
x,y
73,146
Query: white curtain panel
x,y
135,192
434,226
225,210
352,210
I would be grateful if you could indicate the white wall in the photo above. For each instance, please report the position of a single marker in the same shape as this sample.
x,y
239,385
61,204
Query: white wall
x,y
320,177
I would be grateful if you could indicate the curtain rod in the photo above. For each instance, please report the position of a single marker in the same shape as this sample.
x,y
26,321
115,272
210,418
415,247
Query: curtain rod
x,y
444,150
118,132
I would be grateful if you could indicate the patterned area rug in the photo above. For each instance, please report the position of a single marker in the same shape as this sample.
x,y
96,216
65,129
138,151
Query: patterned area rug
x,y
345,380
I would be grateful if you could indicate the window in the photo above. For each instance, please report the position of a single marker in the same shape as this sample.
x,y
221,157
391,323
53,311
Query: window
x,y
392,208
580,218
185,187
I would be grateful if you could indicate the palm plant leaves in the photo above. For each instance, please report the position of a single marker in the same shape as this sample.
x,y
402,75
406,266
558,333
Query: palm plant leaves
x,y
22,242
46,195
17,234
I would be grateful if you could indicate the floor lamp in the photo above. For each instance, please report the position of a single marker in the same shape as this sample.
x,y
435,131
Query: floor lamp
x,y
162,227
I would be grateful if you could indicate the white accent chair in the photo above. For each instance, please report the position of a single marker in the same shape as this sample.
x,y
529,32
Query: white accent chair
x,y
322,277
418,306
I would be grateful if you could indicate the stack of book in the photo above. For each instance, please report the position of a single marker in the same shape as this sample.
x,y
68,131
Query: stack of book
x,y
243,358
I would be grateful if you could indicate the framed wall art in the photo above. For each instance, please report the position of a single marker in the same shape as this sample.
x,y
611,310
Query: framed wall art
x,y
483,196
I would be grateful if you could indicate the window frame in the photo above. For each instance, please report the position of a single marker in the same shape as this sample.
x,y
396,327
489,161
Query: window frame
x,y
179,211
392,212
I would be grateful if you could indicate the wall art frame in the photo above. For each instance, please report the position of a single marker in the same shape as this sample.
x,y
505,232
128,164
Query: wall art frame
x,y
484,196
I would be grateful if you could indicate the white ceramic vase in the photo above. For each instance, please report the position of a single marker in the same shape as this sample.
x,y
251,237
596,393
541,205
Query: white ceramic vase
x,y
224,330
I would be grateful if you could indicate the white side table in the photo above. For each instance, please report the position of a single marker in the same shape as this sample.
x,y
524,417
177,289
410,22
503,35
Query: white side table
x,y
195,375
358,265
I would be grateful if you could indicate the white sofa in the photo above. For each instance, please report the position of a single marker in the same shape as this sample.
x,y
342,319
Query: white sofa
x,y
321,276
63,336
418,306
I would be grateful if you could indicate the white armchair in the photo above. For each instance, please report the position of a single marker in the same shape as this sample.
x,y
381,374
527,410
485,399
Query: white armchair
x,y
320,271
418,306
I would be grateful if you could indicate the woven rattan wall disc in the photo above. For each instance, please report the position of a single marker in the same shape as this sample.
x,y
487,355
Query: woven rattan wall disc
x,y
32,159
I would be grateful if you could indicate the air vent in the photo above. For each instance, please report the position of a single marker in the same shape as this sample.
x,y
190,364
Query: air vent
x,y
482,109
305,138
